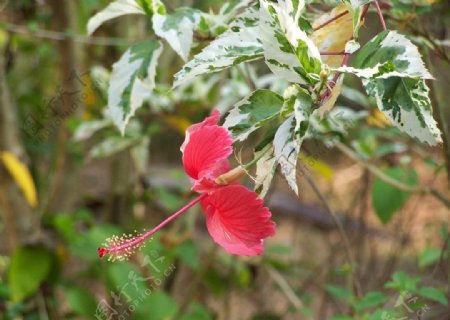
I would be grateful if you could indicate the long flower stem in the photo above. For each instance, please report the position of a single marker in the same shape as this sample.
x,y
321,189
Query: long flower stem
x,y
138,240
380,14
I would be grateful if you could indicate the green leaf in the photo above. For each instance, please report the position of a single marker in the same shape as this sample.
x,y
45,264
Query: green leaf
x,y
339,292
370,300
429,256
253,112
197,311
158,306
240,43
341,318
288,51
29,268
113,10
132,81
433,294
401,281
290,135
387,199
187,252
80,301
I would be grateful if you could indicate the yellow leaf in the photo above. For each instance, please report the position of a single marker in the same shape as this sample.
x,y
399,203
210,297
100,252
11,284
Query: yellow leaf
x,y
334,35
178,123
378,119
318,167
21,176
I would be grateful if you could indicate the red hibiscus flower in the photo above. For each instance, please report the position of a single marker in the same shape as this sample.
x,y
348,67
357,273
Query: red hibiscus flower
x,y
235,217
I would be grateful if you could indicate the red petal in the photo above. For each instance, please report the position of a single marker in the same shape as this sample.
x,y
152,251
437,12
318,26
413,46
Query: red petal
x,y
205,148
237,220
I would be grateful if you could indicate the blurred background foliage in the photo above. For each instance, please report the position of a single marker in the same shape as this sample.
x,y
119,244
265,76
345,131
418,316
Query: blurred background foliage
x,y
91,183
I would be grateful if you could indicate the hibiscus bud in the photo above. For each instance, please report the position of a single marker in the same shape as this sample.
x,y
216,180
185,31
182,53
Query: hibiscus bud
x,y
231,176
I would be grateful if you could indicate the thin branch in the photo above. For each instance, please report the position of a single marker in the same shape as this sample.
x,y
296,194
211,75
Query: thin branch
x,y
332,53
285,287
335,79
380,14
61,36
341,230
331,20
391,181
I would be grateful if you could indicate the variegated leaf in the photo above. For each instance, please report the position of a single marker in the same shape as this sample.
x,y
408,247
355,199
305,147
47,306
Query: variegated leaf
x,y
253,112
132,80
265,171
113,10
288,51
357,3
289,137
240,43
389,54
406,103
178,29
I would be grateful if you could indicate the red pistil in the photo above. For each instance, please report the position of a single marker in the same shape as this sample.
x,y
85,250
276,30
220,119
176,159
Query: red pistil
x,y
122,248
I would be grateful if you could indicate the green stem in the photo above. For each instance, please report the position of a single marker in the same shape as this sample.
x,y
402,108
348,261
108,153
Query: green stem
x,y
259,156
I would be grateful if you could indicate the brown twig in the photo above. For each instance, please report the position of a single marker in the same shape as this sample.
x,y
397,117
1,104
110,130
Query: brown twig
x,y
331,20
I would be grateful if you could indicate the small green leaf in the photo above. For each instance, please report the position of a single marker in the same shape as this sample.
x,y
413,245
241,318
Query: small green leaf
x,y
197,311
401,281
429,256
387,199
433,294
370,300
339,292
29,268
157,306
187,252
80,301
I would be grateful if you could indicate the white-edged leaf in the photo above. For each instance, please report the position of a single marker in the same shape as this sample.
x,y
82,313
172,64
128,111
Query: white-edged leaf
x,y
113,10
240,43
252,112
140,154
86,129
389,54
406,103
265,171
112,145
288,51
352,46
339,120
178,29
357,3
132,80
289,137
